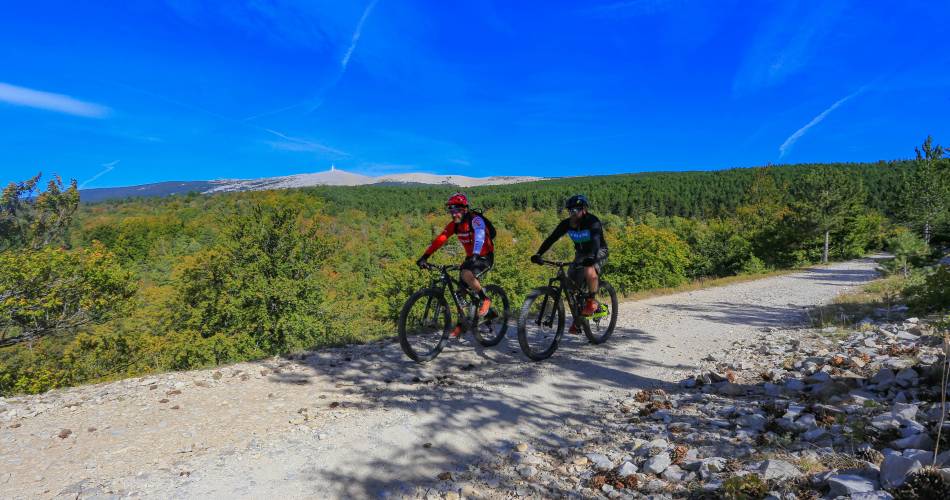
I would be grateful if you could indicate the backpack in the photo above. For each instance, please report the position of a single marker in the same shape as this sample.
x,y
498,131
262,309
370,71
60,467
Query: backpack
x,y
491,227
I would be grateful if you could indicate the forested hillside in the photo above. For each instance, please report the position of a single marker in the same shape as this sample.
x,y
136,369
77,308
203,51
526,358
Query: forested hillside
x,y
683,194
97,291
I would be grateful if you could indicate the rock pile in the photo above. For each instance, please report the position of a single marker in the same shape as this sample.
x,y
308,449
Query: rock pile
x,y
792,414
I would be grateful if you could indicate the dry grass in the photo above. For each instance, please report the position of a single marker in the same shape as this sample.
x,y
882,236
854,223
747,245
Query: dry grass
x,y
849,308
810,465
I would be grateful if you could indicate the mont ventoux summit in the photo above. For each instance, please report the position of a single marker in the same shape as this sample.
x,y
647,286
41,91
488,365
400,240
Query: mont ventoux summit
x,y
332,177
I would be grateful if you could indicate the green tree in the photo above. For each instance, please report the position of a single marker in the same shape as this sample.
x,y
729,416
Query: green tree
x,y
36,221
44,288
51,290
644,257
927,191
828,201
906,247
262,281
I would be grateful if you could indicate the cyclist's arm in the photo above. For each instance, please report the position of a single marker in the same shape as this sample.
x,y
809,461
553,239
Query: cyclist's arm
x,y
478,227
596,238
559,231
441,239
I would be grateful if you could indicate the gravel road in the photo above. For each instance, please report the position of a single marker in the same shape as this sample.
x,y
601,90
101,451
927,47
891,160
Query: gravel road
x,y
363,421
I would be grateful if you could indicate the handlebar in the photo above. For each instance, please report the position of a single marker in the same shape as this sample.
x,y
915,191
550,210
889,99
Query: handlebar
x,y
555,263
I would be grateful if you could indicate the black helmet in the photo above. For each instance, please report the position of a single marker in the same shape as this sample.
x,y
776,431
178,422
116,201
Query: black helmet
x,y
576,201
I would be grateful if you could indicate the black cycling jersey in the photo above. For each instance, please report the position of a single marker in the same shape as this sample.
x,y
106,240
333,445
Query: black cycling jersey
x,y
588,237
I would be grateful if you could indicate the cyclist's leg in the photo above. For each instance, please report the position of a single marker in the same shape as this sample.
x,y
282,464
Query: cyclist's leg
x,y
593,272
593,281
467,274
474,267
577,273
592,277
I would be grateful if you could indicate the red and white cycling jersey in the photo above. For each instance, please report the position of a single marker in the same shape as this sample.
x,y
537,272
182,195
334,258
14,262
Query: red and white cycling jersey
x,y
472,233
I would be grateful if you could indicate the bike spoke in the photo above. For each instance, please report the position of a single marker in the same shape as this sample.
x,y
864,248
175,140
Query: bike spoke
x,y
424,326
539,331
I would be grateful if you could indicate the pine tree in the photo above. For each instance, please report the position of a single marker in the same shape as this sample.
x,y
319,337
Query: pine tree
x,y
830,198
927,190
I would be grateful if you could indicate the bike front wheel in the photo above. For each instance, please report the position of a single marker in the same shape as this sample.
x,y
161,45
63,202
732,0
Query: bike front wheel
x,y
600,326
541,323
492,328
424,325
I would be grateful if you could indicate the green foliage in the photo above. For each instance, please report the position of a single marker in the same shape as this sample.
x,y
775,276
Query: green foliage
x,y
926,197
934,293
723,249
868,231
645,257
747,487
907,248
260,287
828,200
33,221
51,290
32,371
237,276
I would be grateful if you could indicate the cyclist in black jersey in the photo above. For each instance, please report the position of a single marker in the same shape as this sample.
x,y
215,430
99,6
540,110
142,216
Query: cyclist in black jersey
x,y
590,247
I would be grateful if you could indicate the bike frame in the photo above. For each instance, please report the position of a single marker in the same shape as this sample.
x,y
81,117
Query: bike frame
x,y
563,285
443,281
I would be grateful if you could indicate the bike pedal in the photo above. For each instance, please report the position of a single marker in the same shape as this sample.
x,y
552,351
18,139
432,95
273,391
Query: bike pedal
x,y
601,313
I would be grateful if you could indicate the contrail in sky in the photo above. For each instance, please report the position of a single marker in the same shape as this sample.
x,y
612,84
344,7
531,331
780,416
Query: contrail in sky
x,y
109,167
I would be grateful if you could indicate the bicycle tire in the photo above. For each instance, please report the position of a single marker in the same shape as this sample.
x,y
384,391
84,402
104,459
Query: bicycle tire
x,y
552,301
502,311
441,306
605,290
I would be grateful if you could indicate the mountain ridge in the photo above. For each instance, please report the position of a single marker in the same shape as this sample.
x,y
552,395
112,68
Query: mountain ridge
x,y
332,177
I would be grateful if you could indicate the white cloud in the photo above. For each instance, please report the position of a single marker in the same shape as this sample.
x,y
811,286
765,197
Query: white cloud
x,y
22,96
792,139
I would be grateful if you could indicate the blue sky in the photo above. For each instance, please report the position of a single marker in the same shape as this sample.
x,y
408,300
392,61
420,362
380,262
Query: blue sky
x,y
141,91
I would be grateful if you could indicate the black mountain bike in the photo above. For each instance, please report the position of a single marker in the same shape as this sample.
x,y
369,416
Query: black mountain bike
x,y
426,320
541,323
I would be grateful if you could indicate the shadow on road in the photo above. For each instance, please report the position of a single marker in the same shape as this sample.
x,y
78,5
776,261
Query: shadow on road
x,y
466,396
469,393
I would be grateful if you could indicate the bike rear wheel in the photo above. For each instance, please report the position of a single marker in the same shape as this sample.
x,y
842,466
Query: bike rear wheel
x,y
541,323
424,325
599,327
492,328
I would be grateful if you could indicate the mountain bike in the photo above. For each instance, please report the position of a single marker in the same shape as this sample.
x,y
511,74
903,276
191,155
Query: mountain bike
x,y
541,322
426,319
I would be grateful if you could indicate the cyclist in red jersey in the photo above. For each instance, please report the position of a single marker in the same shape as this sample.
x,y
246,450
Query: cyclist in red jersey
x,y
472,232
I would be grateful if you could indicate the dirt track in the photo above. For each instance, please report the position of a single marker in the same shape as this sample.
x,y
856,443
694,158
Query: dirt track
x,y
357,422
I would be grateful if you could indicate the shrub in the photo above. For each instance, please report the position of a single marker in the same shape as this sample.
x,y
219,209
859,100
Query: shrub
x,y
747,487
644,257
907,249
51,290
934,293
262,282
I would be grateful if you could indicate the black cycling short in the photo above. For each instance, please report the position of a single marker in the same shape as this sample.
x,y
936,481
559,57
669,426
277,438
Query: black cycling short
x,y
576,271
478,264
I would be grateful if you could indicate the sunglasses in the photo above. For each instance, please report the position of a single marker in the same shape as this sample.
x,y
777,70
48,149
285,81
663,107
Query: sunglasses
x,y
455,209
574,211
